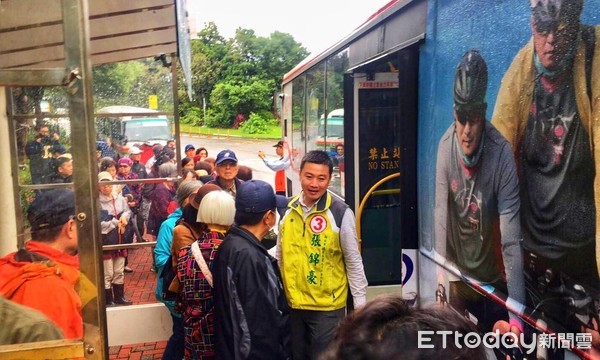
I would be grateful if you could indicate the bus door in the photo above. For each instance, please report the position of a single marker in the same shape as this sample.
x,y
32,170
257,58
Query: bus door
x,y
380,191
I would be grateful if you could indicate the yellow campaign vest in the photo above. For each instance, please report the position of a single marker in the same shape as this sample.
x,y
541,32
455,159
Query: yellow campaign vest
x,y
312,263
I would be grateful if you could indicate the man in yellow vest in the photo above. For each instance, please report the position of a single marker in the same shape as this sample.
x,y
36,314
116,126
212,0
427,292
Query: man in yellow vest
x,y
318,254
278,165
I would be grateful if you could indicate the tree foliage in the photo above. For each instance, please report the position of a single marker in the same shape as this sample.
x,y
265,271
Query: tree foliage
x,y
131,82
237,76
229,99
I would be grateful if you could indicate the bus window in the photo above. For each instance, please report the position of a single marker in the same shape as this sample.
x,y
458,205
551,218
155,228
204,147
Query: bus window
x,y
330,137
315,91
147,130
131,126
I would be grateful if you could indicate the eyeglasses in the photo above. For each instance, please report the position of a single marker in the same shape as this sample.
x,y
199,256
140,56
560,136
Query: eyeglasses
x,y
471,118
227,164
557,27
472,114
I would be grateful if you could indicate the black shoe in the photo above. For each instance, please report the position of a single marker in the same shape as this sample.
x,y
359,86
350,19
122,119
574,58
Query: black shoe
x,y
127,269
108,297
119,290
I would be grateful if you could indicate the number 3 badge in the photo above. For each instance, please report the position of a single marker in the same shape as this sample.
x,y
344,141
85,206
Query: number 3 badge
x,y
318,224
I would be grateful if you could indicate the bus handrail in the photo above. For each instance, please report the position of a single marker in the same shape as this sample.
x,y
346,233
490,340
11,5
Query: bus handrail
x,y
364,201
128,246
112,182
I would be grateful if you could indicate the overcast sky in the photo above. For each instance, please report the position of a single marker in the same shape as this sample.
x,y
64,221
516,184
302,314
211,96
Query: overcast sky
x,y
317,24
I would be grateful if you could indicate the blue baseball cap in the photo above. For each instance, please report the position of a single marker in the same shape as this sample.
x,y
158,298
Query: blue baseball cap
x,y
226,155
256,196
189,146
51,208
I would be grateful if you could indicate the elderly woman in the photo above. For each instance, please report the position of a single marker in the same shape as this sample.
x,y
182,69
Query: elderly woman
x,y
216,211
188,229
166,270
115,218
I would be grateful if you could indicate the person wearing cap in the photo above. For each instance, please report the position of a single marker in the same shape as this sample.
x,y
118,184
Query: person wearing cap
x,y
115,217
63,172
317,250
547,109
251,311
165,268
476,187
278,165
226,166
190,151
44,274
194,263
135,154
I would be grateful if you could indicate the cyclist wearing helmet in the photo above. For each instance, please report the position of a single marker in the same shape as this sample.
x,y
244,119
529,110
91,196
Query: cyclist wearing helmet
x,y
477,188
548,108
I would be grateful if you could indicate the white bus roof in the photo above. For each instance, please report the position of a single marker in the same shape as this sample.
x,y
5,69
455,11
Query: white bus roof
x,y
118,109
336,113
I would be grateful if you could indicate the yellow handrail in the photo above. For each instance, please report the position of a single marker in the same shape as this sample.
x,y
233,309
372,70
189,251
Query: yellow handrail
x,y
364,201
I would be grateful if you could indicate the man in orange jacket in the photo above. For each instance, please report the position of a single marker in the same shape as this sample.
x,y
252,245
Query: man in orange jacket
x,y
45,273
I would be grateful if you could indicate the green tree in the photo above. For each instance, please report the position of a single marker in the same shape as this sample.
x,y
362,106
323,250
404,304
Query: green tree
x,y
231,98
130,83
279,54
207,53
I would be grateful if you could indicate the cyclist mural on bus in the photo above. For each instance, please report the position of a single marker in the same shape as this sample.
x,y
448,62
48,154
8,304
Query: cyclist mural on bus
x,y
476,188
547,106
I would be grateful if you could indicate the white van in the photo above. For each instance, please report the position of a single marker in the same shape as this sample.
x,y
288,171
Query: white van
x,y
143,127
335,130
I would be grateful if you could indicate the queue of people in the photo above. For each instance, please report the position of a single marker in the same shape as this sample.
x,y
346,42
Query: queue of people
x,y
229,298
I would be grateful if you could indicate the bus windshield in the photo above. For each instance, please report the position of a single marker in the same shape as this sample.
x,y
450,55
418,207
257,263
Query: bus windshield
x,y
335,128
146,130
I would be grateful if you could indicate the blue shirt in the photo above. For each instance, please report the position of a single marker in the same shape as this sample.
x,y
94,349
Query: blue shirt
x,y
162,254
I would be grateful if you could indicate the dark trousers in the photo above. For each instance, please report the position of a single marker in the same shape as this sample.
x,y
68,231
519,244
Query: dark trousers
x,y
175,345
312,331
